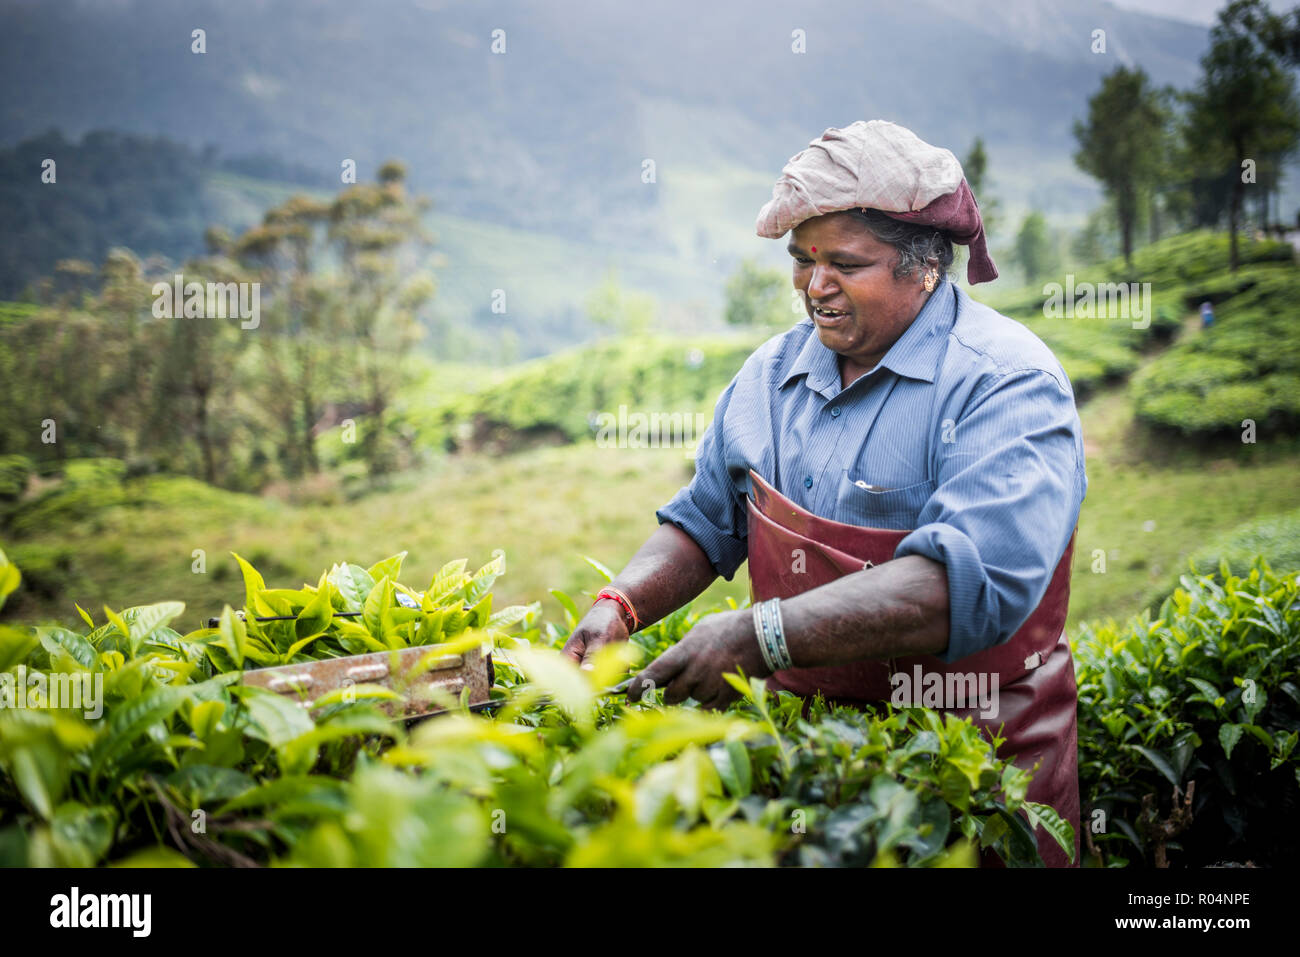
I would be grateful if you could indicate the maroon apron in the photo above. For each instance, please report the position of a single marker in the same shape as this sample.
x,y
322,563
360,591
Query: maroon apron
x,y
1037,698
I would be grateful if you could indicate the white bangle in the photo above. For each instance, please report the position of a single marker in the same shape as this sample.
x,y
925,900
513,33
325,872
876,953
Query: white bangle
x,y
761,636
770,632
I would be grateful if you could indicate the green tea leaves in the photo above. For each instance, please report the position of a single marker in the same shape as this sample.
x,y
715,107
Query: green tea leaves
x,y
275,719
389,568
316,615
253,582
378,616
234,636
352,584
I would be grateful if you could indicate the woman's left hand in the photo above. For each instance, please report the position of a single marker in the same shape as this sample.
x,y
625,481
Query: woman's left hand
x,y
693,668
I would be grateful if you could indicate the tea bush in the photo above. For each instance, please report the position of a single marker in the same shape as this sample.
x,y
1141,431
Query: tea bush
x,y
1201,703
1275,537
1245,366
564,773
1193,256
555,398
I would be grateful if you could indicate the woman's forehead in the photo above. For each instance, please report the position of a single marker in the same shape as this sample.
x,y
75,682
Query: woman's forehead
x,y
838,229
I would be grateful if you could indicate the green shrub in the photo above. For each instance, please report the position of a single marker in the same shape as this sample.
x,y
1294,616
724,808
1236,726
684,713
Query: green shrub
x,y
1208,693
16,312
15,470
1165,322
93,494
1275,538
1092,352
65,505
1195,255
1246,366
555,399
49,571
85,473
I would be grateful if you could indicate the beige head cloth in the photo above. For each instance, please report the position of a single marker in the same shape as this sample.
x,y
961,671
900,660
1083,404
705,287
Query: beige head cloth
x,y
879,165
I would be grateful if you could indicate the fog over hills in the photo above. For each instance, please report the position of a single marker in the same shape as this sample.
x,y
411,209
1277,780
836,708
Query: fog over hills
x,y
549,138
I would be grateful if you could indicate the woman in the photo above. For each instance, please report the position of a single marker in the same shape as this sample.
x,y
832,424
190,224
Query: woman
x,y
903,471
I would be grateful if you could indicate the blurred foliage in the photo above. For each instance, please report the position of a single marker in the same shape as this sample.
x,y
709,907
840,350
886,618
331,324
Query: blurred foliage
x,y
625,311
15,470
759,296
1195,256
1183,271
1244,111
1035,252
976,167
557,399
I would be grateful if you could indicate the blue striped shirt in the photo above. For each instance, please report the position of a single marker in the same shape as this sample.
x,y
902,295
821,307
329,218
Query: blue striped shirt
x,y
966,430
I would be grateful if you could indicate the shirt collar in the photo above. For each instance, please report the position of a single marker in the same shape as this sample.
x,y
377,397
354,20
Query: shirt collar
x,y
915,355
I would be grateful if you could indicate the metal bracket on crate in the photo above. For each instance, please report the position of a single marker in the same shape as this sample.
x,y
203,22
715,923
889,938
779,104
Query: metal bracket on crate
x,y
424,678
420,675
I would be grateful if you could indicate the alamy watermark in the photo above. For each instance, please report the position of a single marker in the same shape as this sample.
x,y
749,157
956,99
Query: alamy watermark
x,y
1103,300
649,430
75,909
214,300
945,691
82,692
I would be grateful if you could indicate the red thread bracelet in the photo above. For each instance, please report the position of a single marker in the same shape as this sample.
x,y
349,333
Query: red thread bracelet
x,y
624,602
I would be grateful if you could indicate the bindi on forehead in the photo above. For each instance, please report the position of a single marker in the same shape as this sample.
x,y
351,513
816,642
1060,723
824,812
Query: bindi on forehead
x,y
814,249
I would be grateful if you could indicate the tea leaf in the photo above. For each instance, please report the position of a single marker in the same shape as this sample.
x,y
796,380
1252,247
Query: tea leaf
x,y
353,584
10,577
377,616
315,616
389,568
277,719
234,636
253,582
1045,816
1157,761
608,575
449,579
1229,735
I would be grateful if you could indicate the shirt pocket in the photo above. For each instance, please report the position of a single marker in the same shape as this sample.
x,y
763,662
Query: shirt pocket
x,y
876,507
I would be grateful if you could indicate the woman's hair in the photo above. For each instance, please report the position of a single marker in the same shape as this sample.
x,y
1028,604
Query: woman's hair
x,y
918,246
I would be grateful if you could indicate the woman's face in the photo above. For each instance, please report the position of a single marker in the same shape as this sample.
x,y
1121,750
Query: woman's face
x,y
841,267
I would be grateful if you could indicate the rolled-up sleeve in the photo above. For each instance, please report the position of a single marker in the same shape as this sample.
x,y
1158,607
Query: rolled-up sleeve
x,y
1009,486
708,509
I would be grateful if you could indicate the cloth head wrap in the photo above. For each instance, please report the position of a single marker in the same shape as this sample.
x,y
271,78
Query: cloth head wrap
x,y
879,165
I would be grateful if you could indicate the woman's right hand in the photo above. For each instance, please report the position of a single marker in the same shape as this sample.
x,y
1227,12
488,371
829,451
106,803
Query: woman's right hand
x,y
600,626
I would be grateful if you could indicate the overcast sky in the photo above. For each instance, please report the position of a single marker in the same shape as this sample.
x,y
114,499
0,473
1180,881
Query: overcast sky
x,y
1195,11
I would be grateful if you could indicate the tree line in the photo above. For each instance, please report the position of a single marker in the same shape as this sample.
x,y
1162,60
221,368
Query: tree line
x,y
1167,160
101,370
1190,156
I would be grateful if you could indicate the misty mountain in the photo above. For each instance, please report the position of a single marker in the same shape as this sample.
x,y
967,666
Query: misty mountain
x,y
549,138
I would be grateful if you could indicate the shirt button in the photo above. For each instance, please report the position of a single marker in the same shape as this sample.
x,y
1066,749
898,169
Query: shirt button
x,y
835,411
807,481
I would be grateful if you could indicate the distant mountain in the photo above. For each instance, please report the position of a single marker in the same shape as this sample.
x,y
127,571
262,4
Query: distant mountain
x,y
549,138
